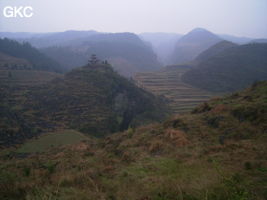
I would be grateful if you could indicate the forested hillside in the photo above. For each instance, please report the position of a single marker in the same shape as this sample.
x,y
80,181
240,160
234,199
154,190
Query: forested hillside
x,y
230,70
214,50
37,60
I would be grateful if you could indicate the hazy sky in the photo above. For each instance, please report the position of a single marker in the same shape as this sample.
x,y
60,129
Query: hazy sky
x,y
236,17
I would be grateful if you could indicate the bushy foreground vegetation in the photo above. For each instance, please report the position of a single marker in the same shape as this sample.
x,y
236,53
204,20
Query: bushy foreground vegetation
x,y
218,152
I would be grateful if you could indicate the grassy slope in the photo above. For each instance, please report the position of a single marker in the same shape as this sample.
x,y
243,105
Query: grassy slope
x,y
167,82
54,139
217,152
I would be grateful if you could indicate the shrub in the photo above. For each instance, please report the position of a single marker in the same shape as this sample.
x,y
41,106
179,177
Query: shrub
x,y
214,121
202,108
26,171
50,166
248,165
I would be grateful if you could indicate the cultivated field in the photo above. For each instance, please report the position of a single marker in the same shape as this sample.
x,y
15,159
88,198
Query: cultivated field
x,y
168,83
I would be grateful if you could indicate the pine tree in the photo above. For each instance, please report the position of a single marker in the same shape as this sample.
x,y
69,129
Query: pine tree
x,y
9,74
93,60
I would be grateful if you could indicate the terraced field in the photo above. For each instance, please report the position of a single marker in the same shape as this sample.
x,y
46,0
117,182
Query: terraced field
x,y
15,83
167,82
26,77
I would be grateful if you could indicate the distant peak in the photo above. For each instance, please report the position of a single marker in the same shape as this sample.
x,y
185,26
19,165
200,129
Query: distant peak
x,y
74,31
199,30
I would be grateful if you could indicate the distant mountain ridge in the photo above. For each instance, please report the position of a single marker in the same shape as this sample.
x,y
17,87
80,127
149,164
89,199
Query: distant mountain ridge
x,y
128,53
42,40
125,51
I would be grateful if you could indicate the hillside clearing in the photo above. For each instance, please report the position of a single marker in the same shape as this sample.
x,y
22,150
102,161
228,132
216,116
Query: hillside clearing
x,y
50,140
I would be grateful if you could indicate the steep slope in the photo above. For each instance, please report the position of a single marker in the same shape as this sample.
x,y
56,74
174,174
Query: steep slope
x,y
93,99
192,44
37,60
217,152
162,43
214,50
230,70
126,46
